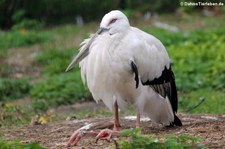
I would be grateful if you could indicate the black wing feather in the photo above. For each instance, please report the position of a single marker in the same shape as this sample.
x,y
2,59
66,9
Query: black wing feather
x,y
135,71
165,86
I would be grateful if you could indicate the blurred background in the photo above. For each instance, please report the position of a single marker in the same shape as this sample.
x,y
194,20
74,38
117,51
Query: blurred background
x,y
38,39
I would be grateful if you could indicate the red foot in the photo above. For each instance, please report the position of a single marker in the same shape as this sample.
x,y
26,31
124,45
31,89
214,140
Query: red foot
x,y
106,134
77,135
75,138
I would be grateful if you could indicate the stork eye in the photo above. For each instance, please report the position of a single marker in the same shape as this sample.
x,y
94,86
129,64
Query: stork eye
x,y
112,21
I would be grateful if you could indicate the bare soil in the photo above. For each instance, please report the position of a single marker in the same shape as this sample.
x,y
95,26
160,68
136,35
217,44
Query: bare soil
x,y
22,62
54,135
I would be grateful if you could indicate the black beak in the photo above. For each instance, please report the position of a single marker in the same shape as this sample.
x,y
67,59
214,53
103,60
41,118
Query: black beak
x,y
102,30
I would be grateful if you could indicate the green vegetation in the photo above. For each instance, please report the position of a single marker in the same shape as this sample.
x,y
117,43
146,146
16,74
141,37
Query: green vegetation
x,y
138,140
11,89
203,66
212,101
60,89
32,13
17,145
55,61
22,37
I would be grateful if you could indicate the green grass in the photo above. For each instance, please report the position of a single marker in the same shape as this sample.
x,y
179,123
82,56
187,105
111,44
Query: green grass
x,y
137,140
57,86
22,37
60,89
12,89
213,103
199,64
55,61
17,145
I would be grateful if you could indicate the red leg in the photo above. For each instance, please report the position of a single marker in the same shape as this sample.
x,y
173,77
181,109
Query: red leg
x,y
106,134
138,120
116,117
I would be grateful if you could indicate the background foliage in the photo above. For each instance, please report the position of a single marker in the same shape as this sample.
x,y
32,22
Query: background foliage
x,y
58,11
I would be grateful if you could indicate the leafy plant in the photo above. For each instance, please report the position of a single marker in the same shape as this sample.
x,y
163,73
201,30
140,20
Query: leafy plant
x,y
199,63
55,61
60,89
134,139
17,145
22,37
11,89
40,105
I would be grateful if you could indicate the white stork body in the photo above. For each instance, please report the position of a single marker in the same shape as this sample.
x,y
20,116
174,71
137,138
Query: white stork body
x,y
124,64
109,76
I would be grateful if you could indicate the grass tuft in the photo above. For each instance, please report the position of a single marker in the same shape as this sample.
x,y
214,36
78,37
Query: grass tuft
x,y
17,145
132,138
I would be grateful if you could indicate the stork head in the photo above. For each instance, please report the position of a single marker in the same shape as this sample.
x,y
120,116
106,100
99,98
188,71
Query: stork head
x,y
114,22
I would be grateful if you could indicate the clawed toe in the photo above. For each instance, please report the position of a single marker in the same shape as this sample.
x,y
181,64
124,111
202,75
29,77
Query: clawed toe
x,y
106,134
75,138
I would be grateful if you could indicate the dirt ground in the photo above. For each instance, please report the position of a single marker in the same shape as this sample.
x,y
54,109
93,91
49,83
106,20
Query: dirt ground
x,y
54,135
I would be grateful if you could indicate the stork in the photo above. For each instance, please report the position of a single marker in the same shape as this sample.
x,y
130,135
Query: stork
x,y
122,64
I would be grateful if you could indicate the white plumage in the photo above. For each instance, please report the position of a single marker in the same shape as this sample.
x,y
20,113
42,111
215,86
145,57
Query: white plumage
x,y
123,64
